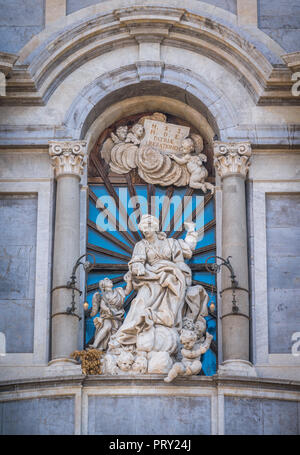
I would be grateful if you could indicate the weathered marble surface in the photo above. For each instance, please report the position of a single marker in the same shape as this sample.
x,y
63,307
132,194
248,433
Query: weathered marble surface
x,y
283,277
164,415
253,416
40,416
18,226
280,19
19,21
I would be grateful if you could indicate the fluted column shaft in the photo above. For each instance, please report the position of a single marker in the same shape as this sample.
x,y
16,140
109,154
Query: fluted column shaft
x,y
232,163
68,159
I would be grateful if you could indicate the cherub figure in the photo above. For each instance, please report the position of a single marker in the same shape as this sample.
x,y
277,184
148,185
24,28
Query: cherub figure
x,y
121,134
140,363
115,138
110,303
136,134
194,162
125,361
191,352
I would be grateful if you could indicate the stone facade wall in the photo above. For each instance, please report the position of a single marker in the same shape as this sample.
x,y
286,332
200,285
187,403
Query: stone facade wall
x,y
19,21
37,416
110,406
280,19
149,415
76,92
75,5
248,416
283,256
18,226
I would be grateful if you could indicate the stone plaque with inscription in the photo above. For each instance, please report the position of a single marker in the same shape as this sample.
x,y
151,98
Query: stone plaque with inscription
x,y
165,137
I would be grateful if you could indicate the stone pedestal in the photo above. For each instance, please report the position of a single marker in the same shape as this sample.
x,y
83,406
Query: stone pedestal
x,y
232,163
68,159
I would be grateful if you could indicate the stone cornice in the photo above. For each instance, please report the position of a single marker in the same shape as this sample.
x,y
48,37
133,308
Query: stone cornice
x,y
232,158
33,83
68,157
292,60
153,381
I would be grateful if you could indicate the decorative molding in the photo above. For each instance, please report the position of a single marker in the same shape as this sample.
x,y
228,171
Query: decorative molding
x,y
36,75
7,62
68,157
292,60
232,158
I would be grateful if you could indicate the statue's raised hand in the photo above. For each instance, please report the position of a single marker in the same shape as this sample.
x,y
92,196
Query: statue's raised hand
x,y
190,227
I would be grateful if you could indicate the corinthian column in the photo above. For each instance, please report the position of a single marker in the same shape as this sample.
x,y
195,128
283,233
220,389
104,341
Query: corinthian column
x,y
232,161
68,160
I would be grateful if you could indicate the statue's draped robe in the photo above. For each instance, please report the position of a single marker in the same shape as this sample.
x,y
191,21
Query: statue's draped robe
x,y
111,310
160,292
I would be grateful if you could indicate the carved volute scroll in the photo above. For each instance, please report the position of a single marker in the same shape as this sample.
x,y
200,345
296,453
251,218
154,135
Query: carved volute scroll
x,y
68,157
232,158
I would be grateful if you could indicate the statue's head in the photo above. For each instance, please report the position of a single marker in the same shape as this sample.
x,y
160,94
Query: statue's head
x,y
148,224
140,365
188,338
105,284
121,132
125,361
138,130
200,327
187,323
187,145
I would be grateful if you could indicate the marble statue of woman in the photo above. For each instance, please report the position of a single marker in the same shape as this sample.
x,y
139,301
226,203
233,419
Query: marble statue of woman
x,y
159,275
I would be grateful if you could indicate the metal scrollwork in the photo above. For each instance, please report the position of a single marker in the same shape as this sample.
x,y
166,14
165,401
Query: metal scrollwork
x,y
214,267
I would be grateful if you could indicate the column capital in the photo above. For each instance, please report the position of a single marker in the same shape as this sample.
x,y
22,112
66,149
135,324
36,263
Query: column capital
x,y
68,157
232,158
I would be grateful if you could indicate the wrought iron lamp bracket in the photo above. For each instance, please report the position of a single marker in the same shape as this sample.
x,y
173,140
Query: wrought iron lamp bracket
x,y
71,284
215,268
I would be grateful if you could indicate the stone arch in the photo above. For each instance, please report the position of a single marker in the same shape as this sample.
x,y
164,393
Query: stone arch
x,y
179,86
59,50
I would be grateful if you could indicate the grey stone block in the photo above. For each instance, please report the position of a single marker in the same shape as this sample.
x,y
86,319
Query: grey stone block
x,y
22,13
283,277
14,38
274,14
283,210
252,416
280,19
242,416
229,5
283,319
75,5
151,415
18,224
40,416
19,21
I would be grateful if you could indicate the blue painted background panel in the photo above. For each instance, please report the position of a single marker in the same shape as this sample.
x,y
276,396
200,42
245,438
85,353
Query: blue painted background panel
x,y
204,216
